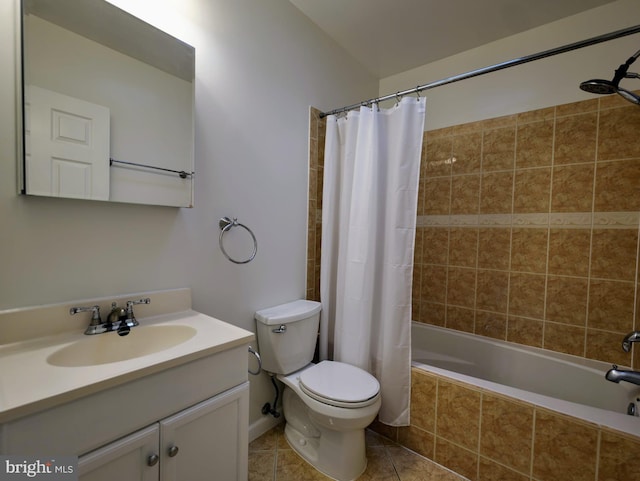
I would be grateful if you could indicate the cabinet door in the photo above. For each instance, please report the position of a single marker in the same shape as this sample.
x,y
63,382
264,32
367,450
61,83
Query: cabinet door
x,y
127,459
208,442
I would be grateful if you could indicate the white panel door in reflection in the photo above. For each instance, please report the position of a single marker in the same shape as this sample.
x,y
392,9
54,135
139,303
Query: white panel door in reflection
x,y
67,146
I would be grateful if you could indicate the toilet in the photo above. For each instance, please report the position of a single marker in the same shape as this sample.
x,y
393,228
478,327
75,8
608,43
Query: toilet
x,y
326,406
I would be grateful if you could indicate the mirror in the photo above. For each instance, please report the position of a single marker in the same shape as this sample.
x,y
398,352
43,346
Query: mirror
x,y
108,106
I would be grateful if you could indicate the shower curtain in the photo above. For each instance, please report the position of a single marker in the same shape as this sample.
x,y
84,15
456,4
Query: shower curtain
x,y
369,207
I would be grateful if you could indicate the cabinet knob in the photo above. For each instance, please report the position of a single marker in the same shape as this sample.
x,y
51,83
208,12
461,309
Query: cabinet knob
x,y
172,451
152,460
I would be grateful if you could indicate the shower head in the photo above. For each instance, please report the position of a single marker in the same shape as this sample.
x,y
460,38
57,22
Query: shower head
x,y
606,87
599,86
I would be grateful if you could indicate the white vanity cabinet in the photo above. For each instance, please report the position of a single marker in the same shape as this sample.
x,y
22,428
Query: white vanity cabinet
x,y
205,442
187,404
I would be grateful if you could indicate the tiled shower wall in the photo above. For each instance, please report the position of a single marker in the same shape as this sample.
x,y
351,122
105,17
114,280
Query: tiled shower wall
x,y
527,227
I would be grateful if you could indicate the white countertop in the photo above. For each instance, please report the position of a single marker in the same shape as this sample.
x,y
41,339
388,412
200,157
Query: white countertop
x,y
29,383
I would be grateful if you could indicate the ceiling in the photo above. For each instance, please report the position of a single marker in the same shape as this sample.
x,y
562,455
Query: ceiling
x,y
392,36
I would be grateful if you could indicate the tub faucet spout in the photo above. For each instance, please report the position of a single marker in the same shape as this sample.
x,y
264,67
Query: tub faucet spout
x,y
616,375
628,339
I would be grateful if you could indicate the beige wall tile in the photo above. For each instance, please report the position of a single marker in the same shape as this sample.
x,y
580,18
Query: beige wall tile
x,y
611,305
490,471
492,291
525,331
491,324
532,190
465,194
529,250
576,139
564,338
463,246
567,300
526,295
500,122
494,245
436,245
438,156
460,319
434,283
460,460
547,113
467,152
618,457
614,253
437,196
605,346
432,313
506,433
572,189
461,287
577,107
618,133
458,418
569,252
564,449
534,144
499,149
496,193
423,400
617,186
422,442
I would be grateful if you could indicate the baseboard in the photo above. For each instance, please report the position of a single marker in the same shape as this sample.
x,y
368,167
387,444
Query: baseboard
x,y
262,425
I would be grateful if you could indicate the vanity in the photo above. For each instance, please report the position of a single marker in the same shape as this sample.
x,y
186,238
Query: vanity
x,y
168,401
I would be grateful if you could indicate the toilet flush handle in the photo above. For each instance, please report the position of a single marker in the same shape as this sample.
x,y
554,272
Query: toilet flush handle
x,y
280,330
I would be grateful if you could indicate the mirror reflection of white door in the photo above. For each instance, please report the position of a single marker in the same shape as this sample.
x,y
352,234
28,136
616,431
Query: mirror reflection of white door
x,y
67,146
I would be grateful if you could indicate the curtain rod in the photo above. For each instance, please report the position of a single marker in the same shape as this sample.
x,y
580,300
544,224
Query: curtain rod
x,y
494,68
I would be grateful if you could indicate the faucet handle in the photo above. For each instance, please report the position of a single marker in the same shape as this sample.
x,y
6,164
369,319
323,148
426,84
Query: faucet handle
x,y
131,318
633,336
95,310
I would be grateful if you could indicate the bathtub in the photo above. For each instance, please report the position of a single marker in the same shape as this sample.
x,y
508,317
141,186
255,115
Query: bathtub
x,y
560,382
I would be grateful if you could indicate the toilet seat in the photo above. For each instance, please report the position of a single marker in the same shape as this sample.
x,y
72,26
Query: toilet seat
x,y
339,384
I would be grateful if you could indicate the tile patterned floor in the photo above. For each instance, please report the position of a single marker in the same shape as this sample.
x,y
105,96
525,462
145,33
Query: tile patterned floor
x,y
272,459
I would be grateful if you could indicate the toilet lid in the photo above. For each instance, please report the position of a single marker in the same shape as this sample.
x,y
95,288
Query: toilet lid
x,y
339,383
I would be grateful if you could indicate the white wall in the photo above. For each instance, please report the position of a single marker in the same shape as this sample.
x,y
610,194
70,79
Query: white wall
x,y
538,84
260,64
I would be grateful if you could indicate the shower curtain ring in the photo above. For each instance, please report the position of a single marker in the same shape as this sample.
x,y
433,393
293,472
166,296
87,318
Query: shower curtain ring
x,y
398,98
418,92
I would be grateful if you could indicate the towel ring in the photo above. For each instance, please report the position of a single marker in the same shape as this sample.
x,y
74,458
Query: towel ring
x,y
257,356
225,225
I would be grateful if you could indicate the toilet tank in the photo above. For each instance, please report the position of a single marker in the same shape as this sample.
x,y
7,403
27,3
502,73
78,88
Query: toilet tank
x,y
287,335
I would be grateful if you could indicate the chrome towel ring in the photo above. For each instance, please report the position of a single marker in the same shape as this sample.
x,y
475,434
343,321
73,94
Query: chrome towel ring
x,y
257,356
225,225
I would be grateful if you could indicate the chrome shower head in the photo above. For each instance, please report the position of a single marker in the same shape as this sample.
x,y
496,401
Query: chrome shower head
x,y
606,87
599,86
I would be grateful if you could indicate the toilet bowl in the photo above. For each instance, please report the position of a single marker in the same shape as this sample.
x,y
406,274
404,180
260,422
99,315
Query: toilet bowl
x,y
326,406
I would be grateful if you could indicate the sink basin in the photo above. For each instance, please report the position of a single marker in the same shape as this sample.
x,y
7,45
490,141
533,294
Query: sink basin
x,y
110,347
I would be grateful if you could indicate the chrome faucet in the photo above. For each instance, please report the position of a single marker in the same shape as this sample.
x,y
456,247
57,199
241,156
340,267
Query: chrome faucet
x,y
616,375
96,326
628,339
130,320
119,319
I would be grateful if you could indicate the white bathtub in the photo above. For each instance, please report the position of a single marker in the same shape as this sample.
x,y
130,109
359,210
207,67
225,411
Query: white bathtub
x,y
561,382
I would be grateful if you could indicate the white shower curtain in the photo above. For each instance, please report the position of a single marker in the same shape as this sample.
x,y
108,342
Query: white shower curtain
x,y
369,207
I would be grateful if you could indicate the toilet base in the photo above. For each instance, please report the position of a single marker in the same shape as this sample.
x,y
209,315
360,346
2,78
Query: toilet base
x,y
341,455
326,456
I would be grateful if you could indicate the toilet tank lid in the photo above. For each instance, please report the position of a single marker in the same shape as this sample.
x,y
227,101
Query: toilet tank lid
x,y
289,312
